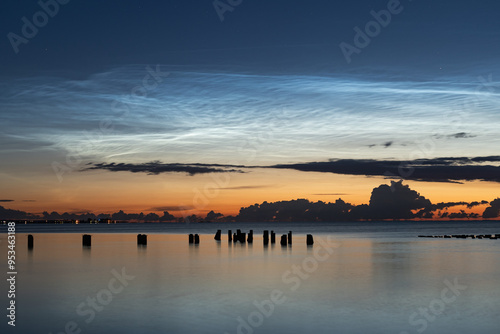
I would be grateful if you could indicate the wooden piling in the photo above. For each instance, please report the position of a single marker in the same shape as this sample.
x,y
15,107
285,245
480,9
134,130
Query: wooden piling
x,y
289,237
229,235
283,240
309,240
142,239
86,240
273,237
191,238
196,239
217,235
30,241
250,237
265,237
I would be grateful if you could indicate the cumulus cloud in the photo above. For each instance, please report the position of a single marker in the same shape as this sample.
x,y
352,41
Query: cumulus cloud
x,y
493,211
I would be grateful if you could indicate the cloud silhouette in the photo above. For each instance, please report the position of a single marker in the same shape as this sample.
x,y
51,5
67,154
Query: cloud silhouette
x,y
6,200
157,167
396,201
452,169
493,211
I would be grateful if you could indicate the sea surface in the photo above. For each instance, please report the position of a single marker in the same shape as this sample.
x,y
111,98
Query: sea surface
x,y
362,277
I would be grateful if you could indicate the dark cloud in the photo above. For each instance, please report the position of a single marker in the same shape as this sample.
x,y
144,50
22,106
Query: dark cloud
x,y
332,194
448,169
396,201
458,135
14,214
172,208
245,187
493,211
461,135
157,167
29,200
429,211
385,145
445,205
453,169
296,210
6,200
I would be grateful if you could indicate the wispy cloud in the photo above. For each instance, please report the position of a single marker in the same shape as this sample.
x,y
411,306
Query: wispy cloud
x,y
156,167
173,208
331,194
208,116
245,187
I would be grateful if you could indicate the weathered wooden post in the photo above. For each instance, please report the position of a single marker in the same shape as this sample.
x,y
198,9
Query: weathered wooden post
x,y
87,240
229,235
235,237
217,235
142,239
289,237
250,237
196,239
191,238
243,237
283,240
265,237
309,240
273,237
30,241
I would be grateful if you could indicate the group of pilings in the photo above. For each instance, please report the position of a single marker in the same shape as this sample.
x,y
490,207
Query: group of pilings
x,y
194,239
238,236
464,236
286,239
242,237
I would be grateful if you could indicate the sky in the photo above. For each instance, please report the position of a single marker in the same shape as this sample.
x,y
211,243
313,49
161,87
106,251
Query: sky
x,y
200,105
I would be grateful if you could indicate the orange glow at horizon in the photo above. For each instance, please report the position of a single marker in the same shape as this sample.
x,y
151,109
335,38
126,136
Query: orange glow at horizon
x,y
183,195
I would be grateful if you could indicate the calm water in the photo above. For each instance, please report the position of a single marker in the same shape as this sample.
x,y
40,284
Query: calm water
x,y
358,278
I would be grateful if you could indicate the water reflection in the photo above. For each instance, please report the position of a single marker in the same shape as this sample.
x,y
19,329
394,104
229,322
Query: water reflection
x,y
362,285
